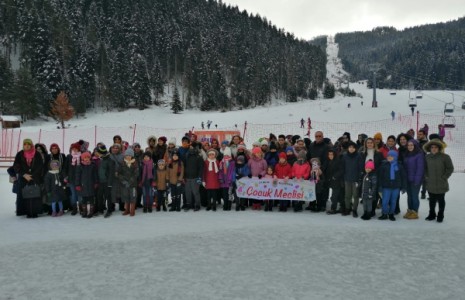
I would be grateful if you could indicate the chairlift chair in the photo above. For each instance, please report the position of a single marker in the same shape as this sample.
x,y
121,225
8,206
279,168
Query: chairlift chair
x,y
412,102
463,105
448,108
419,95
448,122
392,93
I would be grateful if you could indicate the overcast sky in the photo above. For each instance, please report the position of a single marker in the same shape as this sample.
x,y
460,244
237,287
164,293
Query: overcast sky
x,y
310,18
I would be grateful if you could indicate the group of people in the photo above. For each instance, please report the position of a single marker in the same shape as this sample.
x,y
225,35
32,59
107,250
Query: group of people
x,y
204,174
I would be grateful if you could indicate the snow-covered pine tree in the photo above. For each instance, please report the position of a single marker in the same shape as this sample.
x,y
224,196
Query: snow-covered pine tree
x,y
61,109
176,105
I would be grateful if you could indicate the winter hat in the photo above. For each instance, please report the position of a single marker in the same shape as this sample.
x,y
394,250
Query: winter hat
x,y
302,155
434,136
264,142
227,151
54,165
378,136
135,145
256,150
212,150
295,138
370,165
163,138
148,153
85,155
117,146
117,137
151,138
76,146
241,146
282,155
172,141
289,148
347,135
129,152
84,145
225,143
393,153
351,143
54,145
161,162
436,142
256,144
28,141
102,150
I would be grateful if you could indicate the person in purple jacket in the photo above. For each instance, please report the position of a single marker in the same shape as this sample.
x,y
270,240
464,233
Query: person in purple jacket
x,y
414,165
227,176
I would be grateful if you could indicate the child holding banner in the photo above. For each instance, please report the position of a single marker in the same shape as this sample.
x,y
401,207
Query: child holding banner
x,y
257,167
283,170
227,177
300,171
271,175
242,169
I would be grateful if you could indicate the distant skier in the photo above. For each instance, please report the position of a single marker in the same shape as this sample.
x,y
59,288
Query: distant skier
x,y
348,105
413,110
203,125
209,123
393,115
361,103
302,123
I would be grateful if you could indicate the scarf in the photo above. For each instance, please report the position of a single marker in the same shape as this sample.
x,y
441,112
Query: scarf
x,y
56,175
129,162
29,155
394,168
370,155
147,171
76,158
212,165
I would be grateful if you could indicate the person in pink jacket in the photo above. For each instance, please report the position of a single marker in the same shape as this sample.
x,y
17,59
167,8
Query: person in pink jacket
x,y
257,166
300,171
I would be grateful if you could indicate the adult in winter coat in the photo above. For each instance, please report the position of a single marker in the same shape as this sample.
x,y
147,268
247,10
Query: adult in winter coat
x,y
114,182
73,161
86,184
414,164
28,166
353,172
193,170
370,152
211,180
439,168
335,179
127,174
104,173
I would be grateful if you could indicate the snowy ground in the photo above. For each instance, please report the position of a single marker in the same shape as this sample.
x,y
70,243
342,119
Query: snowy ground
x,y
233,255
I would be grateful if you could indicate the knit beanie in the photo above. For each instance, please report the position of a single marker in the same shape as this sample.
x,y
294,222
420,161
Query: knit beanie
x,y
282,155
289,148
241,146
393,154
172,141
76,146
272,146
225,143
378,136
28,141
54,145
302,154
85,155
240,159
163,138
256,150
102,150
129,152
370,165
212,150
227,152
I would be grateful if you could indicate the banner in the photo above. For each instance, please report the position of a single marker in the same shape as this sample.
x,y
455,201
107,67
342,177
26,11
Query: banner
x,y
275,189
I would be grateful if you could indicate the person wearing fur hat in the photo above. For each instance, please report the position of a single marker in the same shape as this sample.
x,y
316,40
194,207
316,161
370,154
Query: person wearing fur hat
x,y
257,166
103,194
391,181
369,189
227,177
151,143
86,184
29,169
127,174
300,171
439,168
55,187
176,180
73,161
283,170
235,141
353,172
211,179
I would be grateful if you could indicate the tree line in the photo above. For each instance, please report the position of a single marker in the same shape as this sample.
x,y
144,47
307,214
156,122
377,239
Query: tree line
x,y
129,53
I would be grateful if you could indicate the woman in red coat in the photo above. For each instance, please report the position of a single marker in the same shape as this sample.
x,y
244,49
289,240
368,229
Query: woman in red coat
x,y
211,179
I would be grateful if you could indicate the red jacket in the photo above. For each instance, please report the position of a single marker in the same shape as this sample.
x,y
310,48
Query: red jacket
x,y
211,178
283,170
301,171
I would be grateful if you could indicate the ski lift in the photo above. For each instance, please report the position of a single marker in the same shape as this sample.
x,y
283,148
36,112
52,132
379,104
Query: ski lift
x,y
392,93
412,102
419,95
448,122
463,105
449,107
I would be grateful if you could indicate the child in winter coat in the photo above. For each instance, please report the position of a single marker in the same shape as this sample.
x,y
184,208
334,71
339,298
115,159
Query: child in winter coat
x,y
335,179
392,180
257,167
300,171
55,187
271,175
283,170
176,179
161,184
127,174
227,178
369,189
291,157
86,183
146,182
242,170
211,179
317,177
353,169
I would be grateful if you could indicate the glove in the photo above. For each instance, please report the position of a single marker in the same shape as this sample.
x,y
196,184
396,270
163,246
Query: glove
x,y
259,176
356,185
250,175
238,176
78,188
198,180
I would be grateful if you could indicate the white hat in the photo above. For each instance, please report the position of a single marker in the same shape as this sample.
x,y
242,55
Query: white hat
x,y
227,151
172,141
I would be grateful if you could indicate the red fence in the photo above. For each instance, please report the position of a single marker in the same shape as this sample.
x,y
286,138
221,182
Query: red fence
x,y
11,139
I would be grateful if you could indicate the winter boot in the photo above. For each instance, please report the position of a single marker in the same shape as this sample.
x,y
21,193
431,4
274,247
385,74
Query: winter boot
x,y
126,209
431,216
440,217
407,214
83,209
298,207
164,207
108,213
354,214
423,195
391,217
74,210
145,210
90,214
383,217
132,209
413,215
54,214
366,216
60,213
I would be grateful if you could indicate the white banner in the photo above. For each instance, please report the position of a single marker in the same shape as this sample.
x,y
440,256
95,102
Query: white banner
x,y
275,189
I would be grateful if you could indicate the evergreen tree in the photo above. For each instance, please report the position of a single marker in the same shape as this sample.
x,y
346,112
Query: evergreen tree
x,y
61,109
6,85
24,95
176,105
329,91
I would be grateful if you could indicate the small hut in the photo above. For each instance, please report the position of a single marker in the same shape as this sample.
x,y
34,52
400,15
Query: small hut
x,y
10,122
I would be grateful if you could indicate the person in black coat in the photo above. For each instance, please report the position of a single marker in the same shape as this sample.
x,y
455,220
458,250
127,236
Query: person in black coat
x,y
335,179
29,167
86,184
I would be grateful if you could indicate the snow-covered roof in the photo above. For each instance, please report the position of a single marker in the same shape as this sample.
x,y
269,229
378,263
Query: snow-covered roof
x,y
10,118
